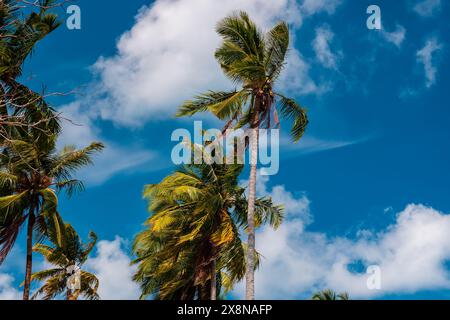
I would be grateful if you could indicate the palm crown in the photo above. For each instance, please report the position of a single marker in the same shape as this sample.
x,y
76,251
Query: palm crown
x,y
31,171
67,254
30,174
19,105
254,60
329,294
192,238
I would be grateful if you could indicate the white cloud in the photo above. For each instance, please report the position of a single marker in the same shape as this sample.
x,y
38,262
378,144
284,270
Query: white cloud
x,y
411,254
280,195
315,6
427,8
395,37
310,144
426,56
81,131
321,45
7,288
161,61
296,77
111,265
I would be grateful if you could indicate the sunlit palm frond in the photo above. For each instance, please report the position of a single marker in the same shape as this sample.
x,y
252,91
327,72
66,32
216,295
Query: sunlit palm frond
x,y
222,104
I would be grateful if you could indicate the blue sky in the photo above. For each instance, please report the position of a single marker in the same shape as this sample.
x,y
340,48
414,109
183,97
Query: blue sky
x,y
368,184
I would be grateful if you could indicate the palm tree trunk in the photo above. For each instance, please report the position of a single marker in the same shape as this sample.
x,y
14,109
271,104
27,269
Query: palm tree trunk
x,y
250,271
29,265
213,280
204,291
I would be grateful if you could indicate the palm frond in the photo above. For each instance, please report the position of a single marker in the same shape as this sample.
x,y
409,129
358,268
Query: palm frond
x,y
13,201
69,162
7,180
242,32
222,104
267,212
44,274
291,110
277,41
71,187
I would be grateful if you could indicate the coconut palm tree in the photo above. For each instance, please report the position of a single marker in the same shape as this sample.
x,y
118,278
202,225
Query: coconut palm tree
x,y
67,254
254,61
31,172
329,294
20,30
191,248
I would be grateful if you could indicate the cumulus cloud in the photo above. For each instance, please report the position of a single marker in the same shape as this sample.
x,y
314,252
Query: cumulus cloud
x,y
81,131
395,37
411,255
426,57
7,289
279,195
427,8
416,242
161,61
321,45
111,265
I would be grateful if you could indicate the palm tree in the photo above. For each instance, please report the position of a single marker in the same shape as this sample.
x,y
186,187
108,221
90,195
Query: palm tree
x,y
19,105
253,61
31,171
20,30
67,254
29,127
329,294
191,247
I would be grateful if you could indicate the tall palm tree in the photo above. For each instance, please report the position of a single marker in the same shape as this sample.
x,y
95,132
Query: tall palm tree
x,y
31,171
253,61
67,254
29,167
191,247
329,294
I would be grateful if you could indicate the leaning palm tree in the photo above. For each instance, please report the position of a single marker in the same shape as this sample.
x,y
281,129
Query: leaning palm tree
x,y
253,61
67,255
31,172
191,247
329,294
